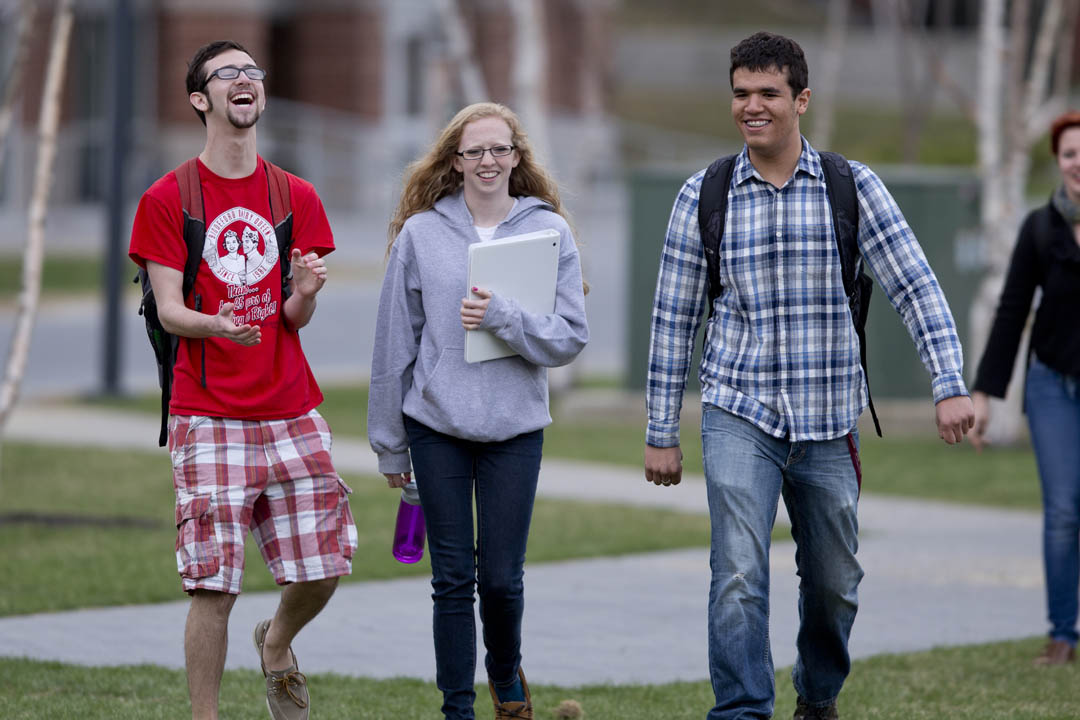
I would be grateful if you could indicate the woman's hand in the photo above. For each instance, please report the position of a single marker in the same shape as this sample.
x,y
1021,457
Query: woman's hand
x,y
397,480
472,311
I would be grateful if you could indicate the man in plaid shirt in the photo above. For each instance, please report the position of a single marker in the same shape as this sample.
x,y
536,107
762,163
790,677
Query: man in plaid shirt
x,y
782,387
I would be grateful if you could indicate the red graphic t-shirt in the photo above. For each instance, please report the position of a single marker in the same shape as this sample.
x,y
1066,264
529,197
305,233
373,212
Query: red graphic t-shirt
x,y
240,264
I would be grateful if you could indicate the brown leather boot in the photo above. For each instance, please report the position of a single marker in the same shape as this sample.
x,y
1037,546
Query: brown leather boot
x,y
1056,652
513,709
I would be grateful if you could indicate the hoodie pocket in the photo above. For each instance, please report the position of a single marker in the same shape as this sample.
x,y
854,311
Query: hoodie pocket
x,y
491,400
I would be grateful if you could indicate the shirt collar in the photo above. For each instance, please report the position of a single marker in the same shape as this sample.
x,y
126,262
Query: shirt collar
x,y
809,163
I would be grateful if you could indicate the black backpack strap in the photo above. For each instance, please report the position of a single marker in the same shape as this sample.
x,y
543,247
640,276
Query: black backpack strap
x,y
277,181
712,211
844,200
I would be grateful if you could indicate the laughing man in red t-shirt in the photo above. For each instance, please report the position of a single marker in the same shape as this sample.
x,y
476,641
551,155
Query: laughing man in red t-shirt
x,y
249,449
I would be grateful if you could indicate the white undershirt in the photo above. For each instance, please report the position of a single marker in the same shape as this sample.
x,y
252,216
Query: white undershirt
x,y
488,233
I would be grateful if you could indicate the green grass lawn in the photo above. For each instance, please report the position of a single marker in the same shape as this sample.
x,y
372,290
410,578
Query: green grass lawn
x,y
921,467
61,275
128,559
911,467
902,466
121,549
907,467
988,682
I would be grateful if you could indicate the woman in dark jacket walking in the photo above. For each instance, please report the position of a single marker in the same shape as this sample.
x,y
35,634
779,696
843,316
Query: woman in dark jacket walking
x,y
1047,256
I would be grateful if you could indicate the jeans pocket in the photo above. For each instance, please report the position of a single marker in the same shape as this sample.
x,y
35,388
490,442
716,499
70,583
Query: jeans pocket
x,y
198,554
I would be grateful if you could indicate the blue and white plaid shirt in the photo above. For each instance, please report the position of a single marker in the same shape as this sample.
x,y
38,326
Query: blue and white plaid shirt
x,y
780,348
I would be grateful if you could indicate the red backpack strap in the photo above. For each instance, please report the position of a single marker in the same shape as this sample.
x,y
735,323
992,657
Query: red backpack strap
x,y
277,181
194,225
280,199
187,177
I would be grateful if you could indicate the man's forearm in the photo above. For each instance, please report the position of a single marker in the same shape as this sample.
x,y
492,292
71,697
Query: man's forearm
x,y
180,320
299,309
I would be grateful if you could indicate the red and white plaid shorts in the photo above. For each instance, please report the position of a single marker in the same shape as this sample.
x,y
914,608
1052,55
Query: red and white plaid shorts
x,y
274,477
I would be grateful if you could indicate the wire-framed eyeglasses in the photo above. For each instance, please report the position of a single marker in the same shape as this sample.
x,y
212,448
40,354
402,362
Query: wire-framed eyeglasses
x,y
231,72
477,153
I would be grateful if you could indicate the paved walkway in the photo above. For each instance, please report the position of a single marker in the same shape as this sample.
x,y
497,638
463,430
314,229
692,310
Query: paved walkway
x,y
936,574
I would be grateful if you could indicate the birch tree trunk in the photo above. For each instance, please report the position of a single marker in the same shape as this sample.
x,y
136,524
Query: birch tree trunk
x,y
13,82
35,239
900,23
836,20
1015,106
460,50
530,61
530,64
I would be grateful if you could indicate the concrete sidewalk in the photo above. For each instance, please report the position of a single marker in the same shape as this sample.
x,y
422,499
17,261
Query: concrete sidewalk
x,y
936,574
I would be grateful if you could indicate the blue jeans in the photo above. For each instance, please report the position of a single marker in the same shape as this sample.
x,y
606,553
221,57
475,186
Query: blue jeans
x,y
503,477
1052,403
746,472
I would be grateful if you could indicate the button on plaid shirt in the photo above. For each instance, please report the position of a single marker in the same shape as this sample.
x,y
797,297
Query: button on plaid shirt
x,y
780,348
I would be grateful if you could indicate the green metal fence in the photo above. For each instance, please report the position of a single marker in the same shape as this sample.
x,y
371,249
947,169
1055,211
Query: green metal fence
x,y
942,208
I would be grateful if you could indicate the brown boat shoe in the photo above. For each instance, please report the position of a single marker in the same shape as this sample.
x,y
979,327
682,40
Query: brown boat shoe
x,y
513,709
1056,652
286,690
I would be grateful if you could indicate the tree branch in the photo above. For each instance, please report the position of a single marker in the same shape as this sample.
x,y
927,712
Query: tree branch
x,y
461,54
13,82
35,237
1038,80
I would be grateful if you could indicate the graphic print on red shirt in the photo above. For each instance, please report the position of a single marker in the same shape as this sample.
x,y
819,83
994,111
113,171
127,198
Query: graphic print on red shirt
x,y
240,260
241,249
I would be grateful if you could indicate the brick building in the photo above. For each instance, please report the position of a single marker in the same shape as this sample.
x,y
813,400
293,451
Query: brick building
x,y
356,87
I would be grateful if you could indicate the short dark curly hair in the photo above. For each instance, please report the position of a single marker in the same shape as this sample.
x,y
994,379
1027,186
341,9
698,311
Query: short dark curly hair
x,y
768,51
196,78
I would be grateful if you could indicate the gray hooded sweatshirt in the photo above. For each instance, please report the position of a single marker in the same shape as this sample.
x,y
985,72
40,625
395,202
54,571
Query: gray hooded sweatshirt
x,y
418,365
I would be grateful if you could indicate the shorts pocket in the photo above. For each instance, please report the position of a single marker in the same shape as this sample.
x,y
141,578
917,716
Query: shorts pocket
x,y
347,539
198,554
181,440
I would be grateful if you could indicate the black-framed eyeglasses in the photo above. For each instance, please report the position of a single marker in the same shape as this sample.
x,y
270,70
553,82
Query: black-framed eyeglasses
x,y
231,72
477,153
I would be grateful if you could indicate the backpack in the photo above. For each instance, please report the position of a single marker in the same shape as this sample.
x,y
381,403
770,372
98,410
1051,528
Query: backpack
x,y
164,344
843,199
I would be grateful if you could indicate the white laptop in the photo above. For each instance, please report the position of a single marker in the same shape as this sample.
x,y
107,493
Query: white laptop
x,y
523,267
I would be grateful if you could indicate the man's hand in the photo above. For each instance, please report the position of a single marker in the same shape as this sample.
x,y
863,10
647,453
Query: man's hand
x,y
397,480
663,466
472,311
955,416
227,328
309,273
981,401
179,320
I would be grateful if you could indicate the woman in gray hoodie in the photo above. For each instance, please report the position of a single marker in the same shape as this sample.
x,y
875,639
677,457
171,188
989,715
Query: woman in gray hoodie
x,y
476,428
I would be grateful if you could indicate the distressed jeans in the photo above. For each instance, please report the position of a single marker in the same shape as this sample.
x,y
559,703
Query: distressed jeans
x,y
501,476
746,472
1052,403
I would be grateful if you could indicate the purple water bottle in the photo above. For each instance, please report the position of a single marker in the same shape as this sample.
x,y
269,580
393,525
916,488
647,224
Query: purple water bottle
x,y
409,531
